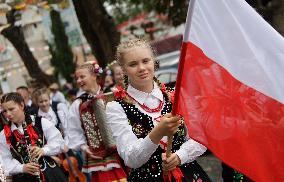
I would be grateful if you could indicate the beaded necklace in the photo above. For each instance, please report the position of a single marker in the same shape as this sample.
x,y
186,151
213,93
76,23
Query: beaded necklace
x,y
148,109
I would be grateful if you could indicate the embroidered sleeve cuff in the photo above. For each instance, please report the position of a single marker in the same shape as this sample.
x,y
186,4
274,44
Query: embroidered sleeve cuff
x,y
183,156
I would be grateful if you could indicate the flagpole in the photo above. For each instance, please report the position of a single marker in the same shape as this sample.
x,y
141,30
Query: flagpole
x,y
183,54
180,70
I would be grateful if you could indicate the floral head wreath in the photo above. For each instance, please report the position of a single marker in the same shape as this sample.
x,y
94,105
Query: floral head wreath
x,y
93,66
109,67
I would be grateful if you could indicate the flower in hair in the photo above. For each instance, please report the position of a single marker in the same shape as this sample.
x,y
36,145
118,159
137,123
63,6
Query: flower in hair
x,y
108,72
100,70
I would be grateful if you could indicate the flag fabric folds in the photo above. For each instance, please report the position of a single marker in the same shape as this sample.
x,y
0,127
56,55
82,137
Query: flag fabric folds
x,y
230,87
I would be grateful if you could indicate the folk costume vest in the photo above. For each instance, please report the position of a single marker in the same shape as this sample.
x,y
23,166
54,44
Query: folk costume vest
x,y
151,171
18,148
98,135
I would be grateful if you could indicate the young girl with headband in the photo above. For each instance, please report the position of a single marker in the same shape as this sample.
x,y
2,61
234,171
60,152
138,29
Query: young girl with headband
x,y
87,129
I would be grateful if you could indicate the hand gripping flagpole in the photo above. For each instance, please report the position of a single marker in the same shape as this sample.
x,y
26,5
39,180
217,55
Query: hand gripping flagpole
x,y
180,71
181,65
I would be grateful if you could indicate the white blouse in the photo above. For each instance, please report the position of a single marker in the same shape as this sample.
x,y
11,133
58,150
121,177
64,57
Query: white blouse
x,y
136,152
52,147
75,132
62,111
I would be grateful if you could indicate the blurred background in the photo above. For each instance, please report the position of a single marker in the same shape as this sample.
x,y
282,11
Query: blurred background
x,y
41,42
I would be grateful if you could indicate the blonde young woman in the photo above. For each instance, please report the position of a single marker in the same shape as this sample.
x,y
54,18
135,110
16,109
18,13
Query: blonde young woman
x,y
140,119
100,162
55,112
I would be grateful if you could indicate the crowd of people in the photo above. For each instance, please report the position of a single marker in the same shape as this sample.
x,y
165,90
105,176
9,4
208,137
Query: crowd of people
x,y
125,139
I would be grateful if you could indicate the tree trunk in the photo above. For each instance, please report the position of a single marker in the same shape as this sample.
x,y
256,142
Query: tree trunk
x,y
99,29
15,36
272,11
278,16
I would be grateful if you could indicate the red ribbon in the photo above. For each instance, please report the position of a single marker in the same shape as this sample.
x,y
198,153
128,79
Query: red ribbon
x,y
33,135
176,173
8,133
20,137
119,92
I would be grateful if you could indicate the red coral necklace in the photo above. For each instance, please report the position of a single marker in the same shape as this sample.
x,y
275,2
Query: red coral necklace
x,y
148,109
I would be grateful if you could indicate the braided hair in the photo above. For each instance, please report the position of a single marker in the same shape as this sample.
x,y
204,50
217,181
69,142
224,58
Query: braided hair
x,y
12,96
18,99
137,42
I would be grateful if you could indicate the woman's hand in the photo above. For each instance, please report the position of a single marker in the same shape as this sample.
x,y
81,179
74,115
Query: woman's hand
x,y
86,149
36,152
57,160
167,126
31,168
171,162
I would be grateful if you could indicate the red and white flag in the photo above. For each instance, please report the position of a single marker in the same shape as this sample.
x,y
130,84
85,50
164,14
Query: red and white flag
x,y
230,86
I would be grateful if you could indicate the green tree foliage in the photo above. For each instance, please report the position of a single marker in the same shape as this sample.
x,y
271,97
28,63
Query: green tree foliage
x,y
176,10
62,56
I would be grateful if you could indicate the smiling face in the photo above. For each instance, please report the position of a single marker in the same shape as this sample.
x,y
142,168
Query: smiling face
x,y
43,102
138,65
85,79
13,111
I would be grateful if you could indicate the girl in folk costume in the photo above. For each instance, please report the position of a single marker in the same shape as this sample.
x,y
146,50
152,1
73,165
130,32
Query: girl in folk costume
x,y
55,112
27,143
140,120
88,131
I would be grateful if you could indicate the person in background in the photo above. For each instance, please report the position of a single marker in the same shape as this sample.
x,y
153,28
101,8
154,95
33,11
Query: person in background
x,y
31,107
56,95
140,119
108,83
117,74
27,142
100,161
56,112
72,94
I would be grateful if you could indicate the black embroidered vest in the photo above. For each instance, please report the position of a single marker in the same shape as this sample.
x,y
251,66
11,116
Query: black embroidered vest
x,y
19,148
142,125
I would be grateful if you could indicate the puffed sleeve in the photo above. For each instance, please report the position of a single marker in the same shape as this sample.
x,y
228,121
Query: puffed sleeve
x,y
53,137
135,152
63,115
11,165
74,129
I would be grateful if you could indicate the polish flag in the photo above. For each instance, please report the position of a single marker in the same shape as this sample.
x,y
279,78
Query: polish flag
x,y
230,86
